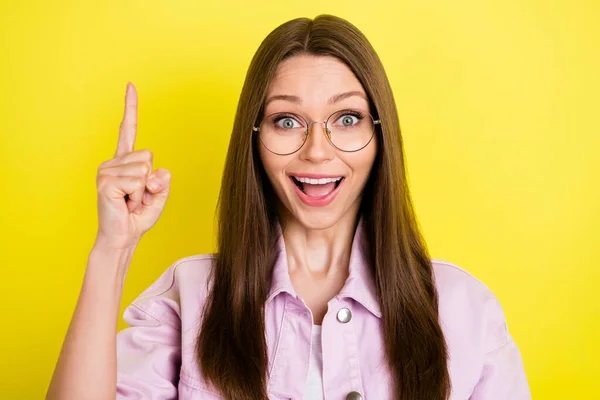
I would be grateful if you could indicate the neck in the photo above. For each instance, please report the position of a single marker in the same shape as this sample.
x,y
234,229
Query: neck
x,y
319,252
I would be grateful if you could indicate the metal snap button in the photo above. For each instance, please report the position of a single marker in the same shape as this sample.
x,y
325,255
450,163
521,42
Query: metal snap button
x,y
344,315
354,396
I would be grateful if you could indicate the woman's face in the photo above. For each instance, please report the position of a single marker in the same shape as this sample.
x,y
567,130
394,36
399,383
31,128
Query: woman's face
x,y
315,87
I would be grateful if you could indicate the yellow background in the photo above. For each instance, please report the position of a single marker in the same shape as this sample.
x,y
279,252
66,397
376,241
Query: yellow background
x,y
499,104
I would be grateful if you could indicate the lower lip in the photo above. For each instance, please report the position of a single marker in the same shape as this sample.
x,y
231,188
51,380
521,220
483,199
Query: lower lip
x,y
318,201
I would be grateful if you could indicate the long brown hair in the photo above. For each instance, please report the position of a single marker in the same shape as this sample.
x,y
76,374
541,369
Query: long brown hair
x,y
231,348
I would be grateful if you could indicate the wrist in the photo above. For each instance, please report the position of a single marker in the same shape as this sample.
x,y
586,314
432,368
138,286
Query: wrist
x,y
110,261
106,243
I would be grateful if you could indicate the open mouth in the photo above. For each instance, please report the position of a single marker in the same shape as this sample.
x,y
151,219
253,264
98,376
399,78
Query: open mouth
x,y
317,188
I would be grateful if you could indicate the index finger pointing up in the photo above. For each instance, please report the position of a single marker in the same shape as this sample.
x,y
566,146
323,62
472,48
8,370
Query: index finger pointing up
x,y
128,128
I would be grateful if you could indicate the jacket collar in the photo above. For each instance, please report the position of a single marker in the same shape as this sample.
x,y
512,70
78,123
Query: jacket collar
x,y
359,285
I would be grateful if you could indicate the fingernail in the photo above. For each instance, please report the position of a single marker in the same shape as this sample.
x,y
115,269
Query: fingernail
x,y
129,86
153,185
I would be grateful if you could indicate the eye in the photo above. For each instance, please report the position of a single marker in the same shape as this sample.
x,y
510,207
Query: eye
x,y
347,120
287,122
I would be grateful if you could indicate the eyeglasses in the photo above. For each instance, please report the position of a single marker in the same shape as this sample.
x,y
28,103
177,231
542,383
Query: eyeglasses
x,y
285,133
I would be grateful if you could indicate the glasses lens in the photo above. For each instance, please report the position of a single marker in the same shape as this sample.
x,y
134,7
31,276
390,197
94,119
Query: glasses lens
x,y
283,133
350,130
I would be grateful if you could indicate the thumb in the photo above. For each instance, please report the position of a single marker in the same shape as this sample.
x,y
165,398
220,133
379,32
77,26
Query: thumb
x,y
162,177
158,187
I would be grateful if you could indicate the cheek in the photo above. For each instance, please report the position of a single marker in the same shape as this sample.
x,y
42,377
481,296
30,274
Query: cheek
x,y
362,161
273,165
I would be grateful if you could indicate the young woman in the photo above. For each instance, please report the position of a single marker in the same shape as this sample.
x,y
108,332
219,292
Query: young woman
x,y
322,287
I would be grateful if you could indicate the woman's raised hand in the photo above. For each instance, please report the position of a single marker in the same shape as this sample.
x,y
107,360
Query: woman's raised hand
x,y
131,196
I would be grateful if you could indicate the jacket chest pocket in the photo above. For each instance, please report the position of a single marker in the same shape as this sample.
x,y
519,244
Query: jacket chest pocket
x,y
192,389
273,396
187,392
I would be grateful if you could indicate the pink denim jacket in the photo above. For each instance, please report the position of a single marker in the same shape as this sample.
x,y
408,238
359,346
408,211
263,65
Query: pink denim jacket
x,y
156,356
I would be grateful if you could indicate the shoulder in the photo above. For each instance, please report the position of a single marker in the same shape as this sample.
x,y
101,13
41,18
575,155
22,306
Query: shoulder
x,y
181,288
467,306
187,271
450,279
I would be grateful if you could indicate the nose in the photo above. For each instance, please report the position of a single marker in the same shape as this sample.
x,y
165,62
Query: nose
x,y
317,147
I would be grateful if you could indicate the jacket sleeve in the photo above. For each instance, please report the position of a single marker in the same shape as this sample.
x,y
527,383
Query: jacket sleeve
x,y
149,351
503,374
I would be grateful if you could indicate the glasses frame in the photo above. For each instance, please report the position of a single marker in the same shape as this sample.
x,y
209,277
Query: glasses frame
x,y
308,131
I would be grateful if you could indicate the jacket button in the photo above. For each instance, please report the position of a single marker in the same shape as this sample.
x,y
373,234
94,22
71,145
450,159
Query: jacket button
x,y
354,396
345,315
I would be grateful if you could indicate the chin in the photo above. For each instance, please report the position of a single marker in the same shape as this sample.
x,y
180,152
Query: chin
x,y
317,219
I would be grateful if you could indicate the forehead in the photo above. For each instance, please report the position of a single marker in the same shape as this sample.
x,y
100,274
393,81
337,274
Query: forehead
x,y
314,79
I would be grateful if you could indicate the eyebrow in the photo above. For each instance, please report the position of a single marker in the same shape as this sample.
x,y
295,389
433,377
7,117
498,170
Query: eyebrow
x,y
332,100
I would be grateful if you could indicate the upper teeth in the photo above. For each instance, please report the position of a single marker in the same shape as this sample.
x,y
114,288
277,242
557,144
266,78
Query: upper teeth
x,y
321,181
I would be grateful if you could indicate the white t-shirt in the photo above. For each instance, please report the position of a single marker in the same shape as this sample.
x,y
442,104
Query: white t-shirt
x,y
314,381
